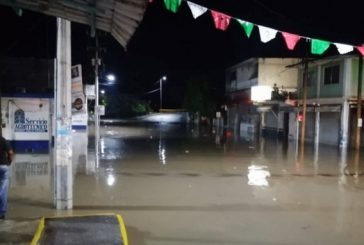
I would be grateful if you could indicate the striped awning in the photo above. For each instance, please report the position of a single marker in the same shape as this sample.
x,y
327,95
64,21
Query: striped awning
x,y
119,17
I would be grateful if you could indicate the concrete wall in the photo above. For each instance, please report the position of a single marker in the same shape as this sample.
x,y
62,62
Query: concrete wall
x,y
262,71
242,75
354,77
275,71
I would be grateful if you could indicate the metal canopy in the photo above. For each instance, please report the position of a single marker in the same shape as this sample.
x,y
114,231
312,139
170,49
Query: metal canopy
x,y
119,17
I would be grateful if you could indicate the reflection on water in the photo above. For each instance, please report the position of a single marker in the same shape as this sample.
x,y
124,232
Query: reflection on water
x,y
161,150
31,170
110,179
258,175
128,142
184,178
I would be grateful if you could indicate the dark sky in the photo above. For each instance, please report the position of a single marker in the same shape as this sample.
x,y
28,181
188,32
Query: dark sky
x,y
181,47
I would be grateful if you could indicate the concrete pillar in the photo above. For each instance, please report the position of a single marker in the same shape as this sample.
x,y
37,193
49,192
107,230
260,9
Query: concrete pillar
x,y
262,122
317,128
278,122
63,135
344,132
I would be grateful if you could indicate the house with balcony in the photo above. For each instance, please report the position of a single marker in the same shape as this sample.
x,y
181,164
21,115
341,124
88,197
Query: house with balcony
x,y
271,116
331,100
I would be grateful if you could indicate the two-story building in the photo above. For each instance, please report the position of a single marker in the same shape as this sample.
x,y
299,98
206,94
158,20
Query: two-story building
x,y
272,117
331,100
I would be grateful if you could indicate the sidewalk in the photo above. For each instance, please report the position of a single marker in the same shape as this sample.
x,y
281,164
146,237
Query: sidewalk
x,y
17,231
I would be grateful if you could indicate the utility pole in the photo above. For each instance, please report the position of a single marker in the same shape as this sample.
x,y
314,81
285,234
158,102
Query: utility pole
x,y
63,137
160,94
304,101
96,63
358,108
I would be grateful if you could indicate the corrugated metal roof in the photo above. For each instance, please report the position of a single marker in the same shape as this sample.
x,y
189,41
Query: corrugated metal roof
x,y
119,17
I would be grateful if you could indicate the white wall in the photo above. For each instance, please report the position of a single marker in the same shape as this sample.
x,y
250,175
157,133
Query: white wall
x,y
274,71
37,124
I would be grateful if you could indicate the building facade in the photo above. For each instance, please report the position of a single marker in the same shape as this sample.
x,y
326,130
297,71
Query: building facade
x,y
331,100
332,85
273,117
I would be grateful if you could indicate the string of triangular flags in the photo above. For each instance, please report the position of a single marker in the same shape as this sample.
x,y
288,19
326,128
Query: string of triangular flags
x,y
267,34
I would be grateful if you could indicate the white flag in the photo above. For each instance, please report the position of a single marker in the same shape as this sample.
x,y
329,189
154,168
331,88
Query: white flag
x,y
197,10
266,33
344,48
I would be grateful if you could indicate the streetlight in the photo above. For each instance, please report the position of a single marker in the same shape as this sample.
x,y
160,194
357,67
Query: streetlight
x,y
110,77
161,91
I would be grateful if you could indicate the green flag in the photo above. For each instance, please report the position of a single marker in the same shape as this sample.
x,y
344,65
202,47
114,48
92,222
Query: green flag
x,y
319,46
248,27
172,5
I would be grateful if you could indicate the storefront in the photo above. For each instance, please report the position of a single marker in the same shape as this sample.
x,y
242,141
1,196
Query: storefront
x,y
27,122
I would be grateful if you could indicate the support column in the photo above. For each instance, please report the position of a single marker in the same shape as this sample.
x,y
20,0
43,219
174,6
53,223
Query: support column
x,y
278,122
316,140
262,123
344,137
317,127
63,137
358,110
304,101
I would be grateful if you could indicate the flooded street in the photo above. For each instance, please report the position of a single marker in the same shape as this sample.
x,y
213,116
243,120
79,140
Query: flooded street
x,y
177,185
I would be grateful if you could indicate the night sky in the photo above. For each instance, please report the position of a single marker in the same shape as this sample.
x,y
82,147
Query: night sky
x,y
181,47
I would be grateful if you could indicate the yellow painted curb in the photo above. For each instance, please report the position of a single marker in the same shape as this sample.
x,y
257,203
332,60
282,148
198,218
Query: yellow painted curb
x,y
39,232
124,235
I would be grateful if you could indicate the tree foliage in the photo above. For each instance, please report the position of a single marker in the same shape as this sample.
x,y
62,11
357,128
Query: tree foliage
x,y
140,107
199,97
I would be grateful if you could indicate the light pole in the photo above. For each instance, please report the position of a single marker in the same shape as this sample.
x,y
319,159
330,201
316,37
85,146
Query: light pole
x,y
96,63
161,92
110,78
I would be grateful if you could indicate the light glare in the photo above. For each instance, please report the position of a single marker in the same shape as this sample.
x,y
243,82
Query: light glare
x,y
110,77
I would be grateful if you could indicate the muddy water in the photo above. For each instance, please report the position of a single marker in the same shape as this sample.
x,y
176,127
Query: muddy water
x,y
178,185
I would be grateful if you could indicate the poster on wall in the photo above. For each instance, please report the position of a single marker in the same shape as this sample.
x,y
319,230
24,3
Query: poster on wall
x,y
79,102
78,97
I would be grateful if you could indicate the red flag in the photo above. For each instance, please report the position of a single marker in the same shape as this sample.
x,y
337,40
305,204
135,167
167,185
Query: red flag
x,y
361,49
221,20
291,39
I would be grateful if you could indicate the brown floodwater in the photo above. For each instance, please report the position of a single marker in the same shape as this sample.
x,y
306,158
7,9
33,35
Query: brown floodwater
x,y
186,185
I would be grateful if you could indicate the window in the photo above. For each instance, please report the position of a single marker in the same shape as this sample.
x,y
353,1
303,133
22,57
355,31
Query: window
x,y
332,75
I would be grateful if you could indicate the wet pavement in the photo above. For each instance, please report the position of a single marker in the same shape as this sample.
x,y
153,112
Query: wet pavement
x,y
177,185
